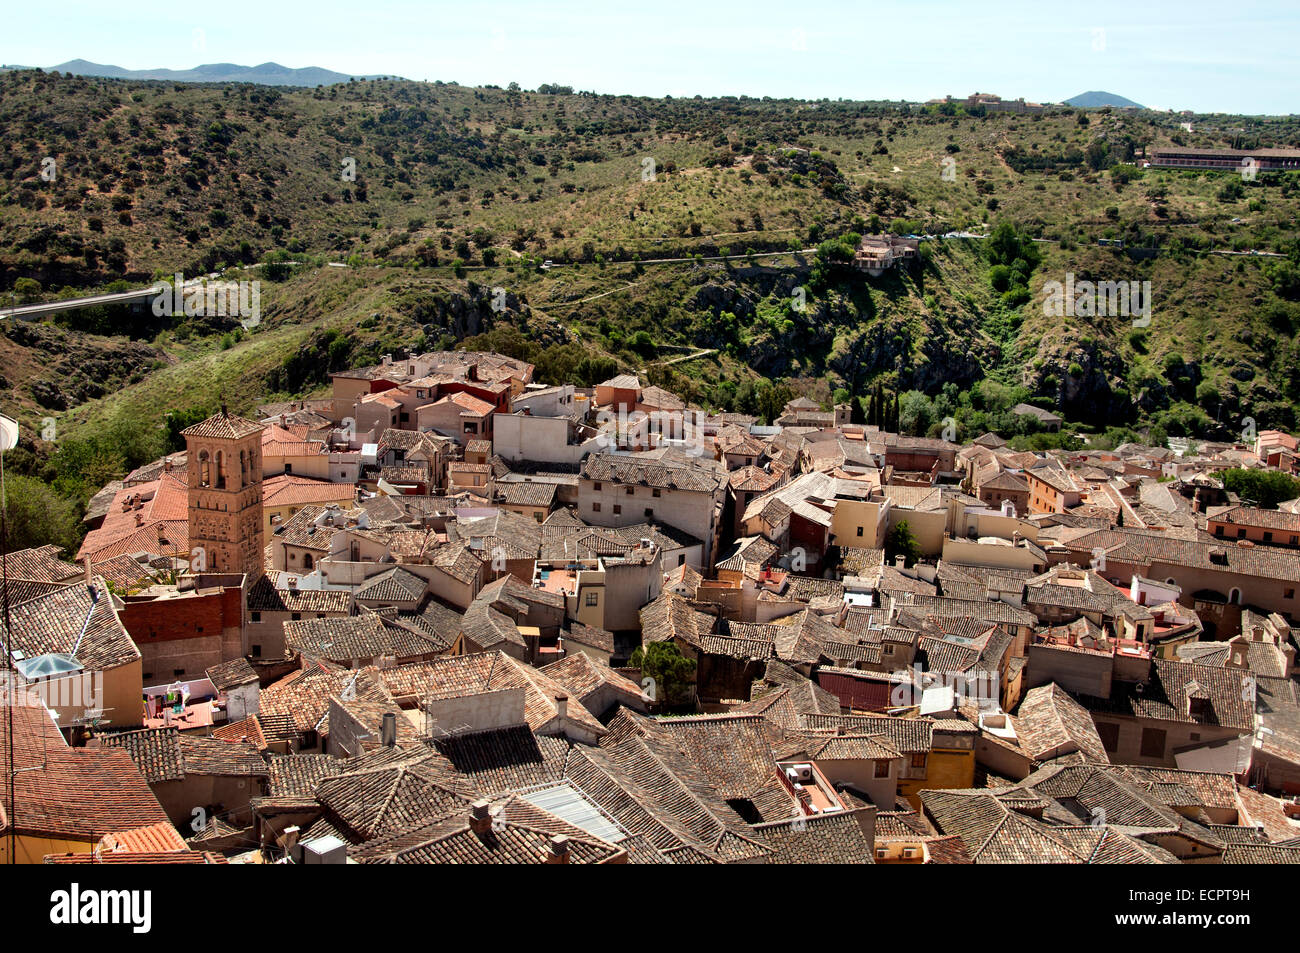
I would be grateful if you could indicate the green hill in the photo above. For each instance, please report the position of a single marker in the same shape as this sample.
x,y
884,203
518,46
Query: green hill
x,y
458,191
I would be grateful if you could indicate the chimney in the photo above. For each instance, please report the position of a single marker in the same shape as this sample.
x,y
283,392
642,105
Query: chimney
x,y
900,561
562,706
480,818
388,732
167,464
289,837
559,852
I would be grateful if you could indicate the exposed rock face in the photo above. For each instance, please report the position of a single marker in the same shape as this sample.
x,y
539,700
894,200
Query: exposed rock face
x,y
70,368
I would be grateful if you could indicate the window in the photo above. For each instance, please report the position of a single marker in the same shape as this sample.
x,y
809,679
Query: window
x,y
257,650
597,487
1288,593
630,490
1153,743
1109,734
1294,540
1241,533
595,507
178,672
649,513
257,617
656,492
859,530
681,560
1268,537
918,760
618,508
471,428
593,598
882,768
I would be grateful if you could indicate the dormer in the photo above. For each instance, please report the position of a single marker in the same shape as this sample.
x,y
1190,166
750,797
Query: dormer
x,y
1197,703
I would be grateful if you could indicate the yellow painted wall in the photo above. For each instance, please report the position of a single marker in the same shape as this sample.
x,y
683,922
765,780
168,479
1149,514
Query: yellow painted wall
x,y
849,515
946,768
32,849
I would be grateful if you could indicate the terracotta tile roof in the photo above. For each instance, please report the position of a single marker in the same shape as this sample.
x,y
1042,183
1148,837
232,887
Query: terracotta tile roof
x,y
1150,547
265,596
364,636
232,674
907,735
389,792
519,834
671,616
590,635
1260,854
645,783
582,677
24,590
304,696
69,793
825,839
1049,723
457,676
394,585
41,564
300,774
752,479
289,490
139,857
468,404
1164,696
54,623
527,494
156,752
138,516
155,837
223,426
245,730
507,759
641,471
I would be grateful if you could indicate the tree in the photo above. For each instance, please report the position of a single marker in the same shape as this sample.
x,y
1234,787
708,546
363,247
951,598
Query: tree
x,y
673,673
901,542
38,516
1267,488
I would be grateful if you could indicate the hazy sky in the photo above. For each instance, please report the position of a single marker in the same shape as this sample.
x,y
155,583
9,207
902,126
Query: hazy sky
x,y
1222,56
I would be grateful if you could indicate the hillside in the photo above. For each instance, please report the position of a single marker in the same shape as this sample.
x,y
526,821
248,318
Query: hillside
x,y
458,191
266,74
1095,99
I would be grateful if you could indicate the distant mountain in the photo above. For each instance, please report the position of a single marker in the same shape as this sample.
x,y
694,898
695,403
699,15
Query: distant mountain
x,y
268,74
1095,98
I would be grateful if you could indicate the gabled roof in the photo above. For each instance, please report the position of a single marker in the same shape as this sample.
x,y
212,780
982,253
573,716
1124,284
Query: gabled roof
x,y
582,676
1049,724
362,636
825,839
71,618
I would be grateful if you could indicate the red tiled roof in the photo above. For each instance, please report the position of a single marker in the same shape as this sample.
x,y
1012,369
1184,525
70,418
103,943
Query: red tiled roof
x,y
70,793
288,490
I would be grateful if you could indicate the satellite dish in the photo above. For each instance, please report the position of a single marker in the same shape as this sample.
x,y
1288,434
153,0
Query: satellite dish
x,y
8,433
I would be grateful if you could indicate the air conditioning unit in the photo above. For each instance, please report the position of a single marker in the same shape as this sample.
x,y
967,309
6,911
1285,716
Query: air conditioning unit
x,y
799,773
